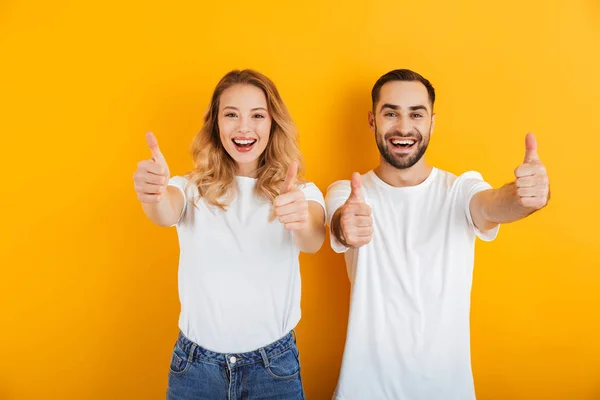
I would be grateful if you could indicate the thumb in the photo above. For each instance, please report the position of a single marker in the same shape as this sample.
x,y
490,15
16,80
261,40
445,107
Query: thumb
x,y
157,156
290,178
530,148
356,193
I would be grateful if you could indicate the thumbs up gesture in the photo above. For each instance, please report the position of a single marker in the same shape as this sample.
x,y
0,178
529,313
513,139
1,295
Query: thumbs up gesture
x,y
152,175
532,183
356,223
291,207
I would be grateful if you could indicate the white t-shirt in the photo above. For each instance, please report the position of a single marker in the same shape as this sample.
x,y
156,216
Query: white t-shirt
x,y
239,277
408,328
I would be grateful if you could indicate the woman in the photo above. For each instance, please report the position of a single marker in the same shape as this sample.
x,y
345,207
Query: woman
x,y
242,217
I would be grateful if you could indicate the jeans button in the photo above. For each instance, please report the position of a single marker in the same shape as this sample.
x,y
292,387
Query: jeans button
x,y
232,359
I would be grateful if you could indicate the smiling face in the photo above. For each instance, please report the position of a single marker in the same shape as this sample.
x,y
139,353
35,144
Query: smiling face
x,y
244,125
402,121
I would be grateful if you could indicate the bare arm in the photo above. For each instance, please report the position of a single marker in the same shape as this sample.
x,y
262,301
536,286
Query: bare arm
x,y
311,237
306,219
161,203
528,193
336,229
167,210
352,224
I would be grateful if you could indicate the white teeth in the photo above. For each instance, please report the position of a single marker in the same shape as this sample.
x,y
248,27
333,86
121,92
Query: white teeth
x,y
409,142
243,141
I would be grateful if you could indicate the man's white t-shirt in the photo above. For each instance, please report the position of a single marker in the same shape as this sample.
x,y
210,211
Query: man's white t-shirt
x,y
408,328
239,277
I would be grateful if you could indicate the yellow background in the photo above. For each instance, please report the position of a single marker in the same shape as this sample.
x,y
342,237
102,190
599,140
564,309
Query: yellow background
x,y
88,291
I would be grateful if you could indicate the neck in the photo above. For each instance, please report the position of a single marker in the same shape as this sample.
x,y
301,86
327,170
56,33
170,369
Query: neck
x,y
403,177
248,170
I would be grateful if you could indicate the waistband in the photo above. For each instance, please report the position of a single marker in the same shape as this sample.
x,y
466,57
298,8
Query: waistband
x,y
263,354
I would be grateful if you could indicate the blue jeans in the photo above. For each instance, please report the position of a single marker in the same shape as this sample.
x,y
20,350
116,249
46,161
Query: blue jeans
x,y
271,372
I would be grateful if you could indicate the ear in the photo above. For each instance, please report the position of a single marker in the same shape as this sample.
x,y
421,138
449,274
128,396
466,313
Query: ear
x,y
372,121
432,124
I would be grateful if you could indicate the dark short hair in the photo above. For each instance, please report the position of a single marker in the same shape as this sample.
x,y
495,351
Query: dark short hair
x,y
401,75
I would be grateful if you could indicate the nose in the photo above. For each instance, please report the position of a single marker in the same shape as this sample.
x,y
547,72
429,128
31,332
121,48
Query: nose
x,y
244,126
404,126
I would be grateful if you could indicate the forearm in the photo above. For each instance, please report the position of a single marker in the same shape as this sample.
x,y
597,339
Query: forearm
x,y
528,193
502,205
336,228
166,212
310,239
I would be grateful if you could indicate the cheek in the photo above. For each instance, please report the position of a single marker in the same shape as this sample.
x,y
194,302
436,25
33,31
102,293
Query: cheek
x,y
425,124
264,129
225,128
224,135
386,126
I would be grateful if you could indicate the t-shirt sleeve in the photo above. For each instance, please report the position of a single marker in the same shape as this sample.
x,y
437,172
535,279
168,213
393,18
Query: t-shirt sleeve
x,y
312,193
337,194
471,183
180,183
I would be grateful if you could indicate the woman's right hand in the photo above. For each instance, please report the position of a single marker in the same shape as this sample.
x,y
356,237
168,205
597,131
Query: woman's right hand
x,y
152,175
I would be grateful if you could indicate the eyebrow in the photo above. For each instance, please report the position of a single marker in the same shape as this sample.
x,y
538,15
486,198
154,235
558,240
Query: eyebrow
x,y
395,107
237,109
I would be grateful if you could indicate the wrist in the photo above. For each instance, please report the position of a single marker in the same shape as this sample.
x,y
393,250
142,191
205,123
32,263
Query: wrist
x,y
337,228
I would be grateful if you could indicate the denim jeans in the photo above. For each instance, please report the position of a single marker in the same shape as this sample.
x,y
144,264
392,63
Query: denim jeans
x,y
271,372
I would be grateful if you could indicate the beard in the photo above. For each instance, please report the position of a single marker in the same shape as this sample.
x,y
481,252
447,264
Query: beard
x,y
401,161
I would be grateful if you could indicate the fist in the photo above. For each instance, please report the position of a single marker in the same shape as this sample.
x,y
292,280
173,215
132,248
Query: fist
x,y
152,176
291,207
533,187
356,223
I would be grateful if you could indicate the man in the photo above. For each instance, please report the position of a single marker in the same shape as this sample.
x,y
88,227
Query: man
x,y
408,232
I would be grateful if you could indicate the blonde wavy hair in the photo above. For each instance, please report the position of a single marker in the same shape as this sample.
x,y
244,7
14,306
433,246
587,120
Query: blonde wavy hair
x,y
214,169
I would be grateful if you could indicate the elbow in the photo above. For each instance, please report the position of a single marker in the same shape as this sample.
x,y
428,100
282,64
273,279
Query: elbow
x,y
313,248
314,243
163,224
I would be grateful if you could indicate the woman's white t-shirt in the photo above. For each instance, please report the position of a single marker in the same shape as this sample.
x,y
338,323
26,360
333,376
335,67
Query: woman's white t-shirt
x,y
239,277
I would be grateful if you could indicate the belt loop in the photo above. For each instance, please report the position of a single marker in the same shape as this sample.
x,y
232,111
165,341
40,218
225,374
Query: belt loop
x,y
191,354
294,334
263,354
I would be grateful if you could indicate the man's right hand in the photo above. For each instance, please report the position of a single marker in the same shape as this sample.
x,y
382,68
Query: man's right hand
x,y
355,221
